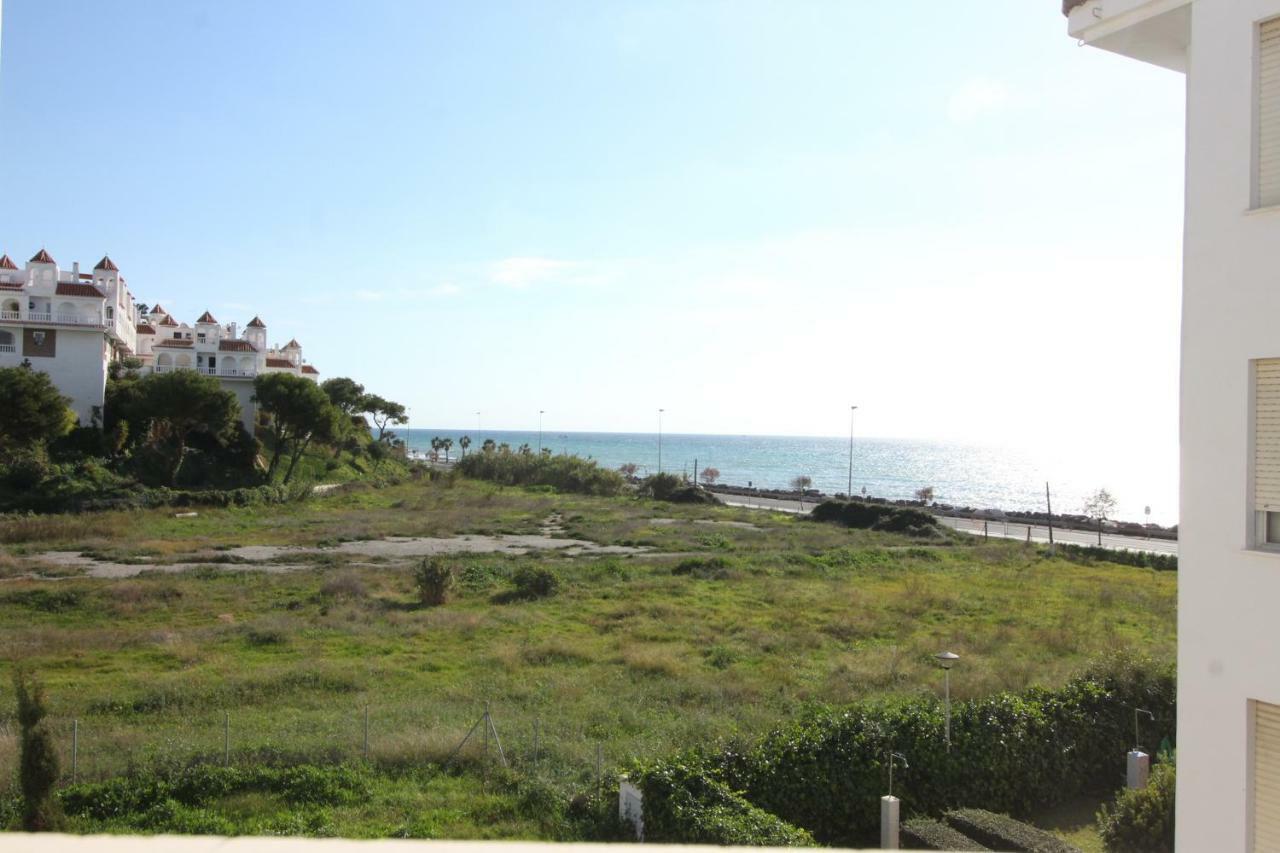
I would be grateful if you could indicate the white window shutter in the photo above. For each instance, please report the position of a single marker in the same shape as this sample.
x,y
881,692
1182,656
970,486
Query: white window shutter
x,y
1269,114
1266,776
1266,435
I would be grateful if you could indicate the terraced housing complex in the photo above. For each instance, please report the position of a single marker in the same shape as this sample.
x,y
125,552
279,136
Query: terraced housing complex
x,y
72,325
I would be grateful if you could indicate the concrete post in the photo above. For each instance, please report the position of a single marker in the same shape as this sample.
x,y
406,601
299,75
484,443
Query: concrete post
x,y
1139,768
889,823
631,806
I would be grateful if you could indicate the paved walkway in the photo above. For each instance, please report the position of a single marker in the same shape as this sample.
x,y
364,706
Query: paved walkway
x,y
1001,529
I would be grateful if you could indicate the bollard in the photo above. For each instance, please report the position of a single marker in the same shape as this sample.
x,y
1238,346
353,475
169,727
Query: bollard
x,y
889,823
1139,768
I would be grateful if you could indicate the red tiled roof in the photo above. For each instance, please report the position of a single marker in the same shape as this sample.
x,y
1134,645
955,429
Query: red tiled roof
x,y
66,288
6,263
293,344
206,317
236,346
256,323
42,257
84,276
279,362
158,310
107,264
10,285
146,329
167,321
306,368
173,342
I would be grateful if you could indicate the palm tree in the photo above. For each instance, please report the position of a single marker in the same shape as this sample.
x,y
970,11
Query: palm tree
x,y
489,446
464,443
435,447
446,444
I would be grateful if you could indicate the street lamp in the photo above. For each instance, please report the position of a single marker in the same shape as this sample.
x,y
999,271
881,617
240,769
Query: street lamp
x,y
946,660
660,411
477,424
540,414
849,494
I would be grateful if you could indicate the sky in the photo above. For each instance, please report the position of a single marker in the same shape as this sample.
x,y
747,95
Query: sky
x,y
752,214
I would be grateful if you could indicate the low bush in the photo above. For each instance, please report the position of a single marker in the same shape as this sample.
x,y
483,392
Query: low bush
x,y
1001,832
924,833
1141,820
867,515
673,489
563,473
434,579
1014,753
1141,559
707,568
683,804
535,582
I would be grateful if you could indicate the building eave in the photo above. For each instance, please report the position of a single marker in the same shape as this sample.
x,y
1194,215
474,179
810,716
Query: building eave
x,y
1153,31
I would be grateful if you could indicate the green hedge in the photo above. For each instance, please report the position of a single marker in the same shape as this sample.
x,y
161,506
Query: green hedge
x,y
563,473
925,833
1014,753
683,804
867,515
1141,559
1001,832
1142,820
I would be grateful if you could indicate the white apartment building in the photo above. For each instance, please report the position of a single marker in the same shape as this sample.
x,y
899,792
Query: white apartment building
x,y
72,325
1229,543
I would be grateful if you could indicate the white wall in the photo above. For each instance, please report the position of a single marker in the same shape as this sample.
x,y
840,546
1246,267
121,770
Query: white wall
x,y
243,389
1228,594
79,370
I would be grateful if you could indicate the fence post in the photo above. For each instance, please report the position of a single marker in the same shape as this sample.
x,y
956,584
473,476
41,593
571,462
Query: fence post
x,y
366,731
536,725
75,750
226,738
599,770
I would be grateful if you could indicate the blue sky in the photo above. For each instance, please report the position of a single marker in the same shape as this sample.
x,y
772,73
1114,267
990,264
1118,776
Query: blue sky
x,y
752,214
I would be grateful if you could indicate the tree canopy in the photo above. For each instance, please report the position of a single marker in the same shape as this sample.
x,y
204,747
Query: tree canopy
x,y
345,394
179,405
299,412
384,412
32,411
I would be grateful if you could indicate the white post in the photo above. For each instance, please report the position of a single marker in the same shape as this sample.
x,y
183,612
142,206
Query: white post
x,y
889,823
631,806
75,751
1139,768
947,681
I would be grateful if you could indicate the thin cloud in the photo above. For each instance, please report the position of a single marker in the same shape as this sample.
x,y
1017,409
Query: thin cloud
x,y
976,98
524,272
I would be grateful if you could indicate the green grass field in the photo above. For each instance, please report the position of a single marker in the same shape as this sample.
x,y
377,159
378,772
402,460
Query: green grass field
x,y
731,621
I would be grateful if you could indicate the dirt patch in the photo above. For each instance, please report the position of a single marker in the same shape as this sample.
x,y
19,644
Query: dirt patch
x,y
706,522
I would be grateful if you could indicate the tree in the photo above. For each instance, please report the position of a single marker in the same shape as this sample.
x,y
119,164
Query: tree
x,y
525,450
628,469
32,411
179,405
38,764
710,475
801,483
383,411
464,443
925,495
489,446
1099,506
345,394
299,413
446,444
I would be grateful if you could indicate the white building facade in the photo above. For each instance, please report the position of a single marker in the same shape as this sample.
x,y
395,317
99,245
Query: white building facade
x,y
72,325
1229,535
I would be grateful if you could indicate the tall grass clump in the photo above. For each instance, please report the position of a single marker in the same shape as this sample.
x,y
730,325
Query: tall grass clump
x,y
562,473
434,580
38,773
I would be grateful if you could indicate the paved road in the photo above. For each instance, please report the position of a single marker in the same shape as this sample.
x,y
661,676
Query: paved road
x,y
1011,530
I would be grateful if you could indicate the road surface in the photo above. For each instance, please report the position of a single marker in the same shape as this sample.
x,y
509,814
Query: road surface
x,y
1003,530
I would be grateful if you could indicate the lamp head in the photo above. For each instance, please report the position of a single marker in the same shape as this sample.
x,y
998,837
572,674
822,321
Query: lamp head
x,y
946,659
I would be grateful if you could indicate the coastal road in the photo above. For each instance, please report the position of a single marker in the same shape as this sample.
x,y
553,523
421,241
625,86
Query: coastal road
x,y
1000,529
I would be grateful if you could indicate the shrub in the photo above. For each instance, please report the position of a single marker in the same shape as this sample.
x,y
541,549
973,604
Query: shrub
x,y
344,585
683,804
1141,820
434,580
563,473
1014,753
867,515
535,582
924,833
1141,559
38,764
673,489
707,568
1001,832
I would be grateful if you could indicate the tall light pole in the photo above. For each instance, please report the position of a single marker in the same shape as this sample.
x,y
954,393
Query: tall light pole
x,y
660,411
849,493
477,424
540,414
946,660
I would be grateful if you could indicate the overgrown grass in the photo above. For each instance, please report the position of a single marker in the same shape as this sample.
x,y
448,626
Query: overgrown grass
x,y
734,620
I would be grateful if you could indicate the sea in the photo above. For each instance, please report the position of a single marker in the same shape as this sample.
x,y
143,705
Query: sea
x,y
1144,480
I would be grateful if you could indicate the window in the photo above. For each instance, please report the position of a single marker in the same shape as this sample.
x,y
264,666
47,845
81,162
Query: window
x,y
1266,450
1266,777
1267,176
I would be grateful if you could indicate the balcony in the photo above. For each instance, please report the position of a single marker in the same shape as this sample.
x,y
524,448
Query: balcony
x,y
221,373
1154,31
54,319
8,347
10,315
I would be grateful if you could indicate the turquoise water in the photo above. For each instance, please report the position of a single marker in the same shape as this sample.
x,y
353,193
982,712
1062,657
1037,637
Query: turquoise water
x,y
961,474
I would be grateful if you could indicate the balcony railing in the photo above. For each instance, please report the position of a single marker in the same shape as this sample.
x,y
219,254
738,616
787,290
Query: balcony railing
x,y
8,347
10,315
61,319
207,371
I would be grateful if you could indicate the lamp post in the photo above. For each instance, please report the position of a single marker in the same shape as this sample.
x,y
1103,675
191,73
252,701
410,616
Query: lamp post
x,y
477,424
540,414
660,411
946,660
849,494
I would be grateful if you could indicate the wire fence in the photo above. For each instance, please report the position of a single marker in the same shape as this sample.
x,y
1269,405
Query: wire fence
x,y
96,747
